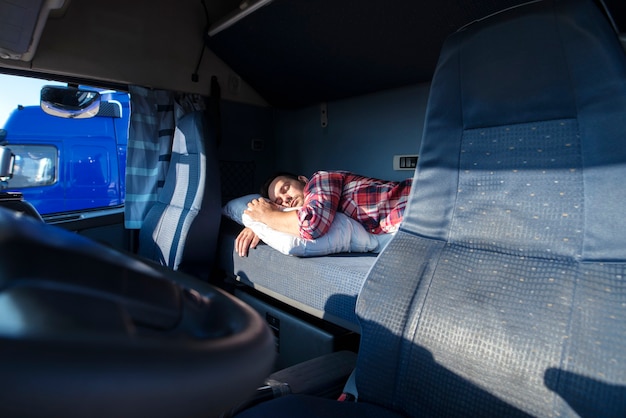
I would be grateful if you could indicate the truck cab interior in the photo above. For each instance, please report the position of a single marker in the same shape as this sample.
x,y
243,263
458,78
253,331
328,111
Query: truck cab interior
x,y
502,293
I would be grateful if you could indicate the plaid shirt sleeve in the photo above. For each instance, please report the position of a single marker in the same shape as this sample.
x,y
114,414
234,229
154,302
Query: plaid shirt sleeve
x,y
322,194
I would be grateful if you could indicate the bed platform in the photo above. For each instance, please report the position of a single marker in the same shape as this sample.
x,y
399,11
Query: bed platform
x,y
325,287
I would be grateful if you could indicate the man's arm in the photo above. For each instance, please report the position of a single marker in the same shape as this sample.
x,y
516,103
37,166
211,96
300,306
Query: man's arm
x,y
271,215
323,193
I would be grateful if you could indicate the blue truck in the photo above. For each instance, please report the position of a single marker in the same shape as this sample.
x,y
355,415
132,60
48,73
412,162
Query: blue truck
x,y
64,165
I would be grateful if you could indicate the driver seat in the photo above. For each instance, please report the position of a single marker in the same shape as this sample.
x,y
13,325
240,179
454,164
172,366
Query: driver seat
x,y
181,228
504,291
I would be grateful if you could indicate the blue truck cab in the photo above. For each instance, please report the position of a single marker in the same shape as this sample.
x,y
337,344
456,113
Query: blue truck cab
x,y
65,165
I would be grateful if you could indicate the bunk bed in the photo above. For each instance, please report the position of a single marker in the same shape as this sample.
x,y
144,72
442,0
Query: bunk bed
x,y
322,278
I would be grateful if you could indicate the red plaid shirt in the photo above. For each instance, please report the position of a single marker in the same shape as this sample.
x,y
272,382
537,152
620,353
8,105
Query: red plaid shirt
x,y
377,204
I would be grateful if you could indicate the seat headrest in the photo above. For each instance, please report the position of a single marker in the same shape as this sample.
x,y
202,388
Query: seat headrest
x,y
526,131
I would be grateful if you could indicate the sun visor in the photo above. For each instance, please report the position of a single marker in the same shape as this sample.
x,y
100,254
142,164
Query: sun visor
x,y
21,25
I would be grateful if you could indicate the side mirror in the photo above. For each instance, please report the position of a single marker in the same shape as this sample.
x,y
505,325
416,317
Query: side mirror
x,y
7,158
70,102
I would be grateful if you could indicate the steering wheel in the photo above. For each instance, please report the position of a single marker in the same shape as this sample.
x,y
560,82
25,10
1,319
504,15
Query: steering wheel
x,y
86,330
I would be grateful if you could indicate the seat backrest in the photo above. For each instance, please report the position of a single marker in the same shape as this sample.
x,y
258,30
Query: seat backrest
x,y
504,291
180,230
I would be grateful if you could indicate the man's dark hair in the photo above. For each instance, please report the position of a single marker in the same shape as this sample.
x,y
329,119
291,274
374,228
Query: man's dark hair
x,y
266,186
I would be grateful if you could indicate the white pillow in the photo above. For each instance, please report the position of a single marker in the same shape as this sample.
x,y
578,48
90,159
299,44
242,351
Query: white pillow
x,y
345,235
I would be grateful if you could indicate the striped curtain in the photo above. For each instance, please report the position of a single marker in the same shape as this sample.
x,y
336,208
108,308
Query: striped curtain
x,y
152,124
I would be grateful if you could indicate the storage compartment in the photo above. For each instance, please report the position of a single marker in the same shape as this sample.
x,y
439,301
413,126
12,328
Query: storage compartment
x,y
298,338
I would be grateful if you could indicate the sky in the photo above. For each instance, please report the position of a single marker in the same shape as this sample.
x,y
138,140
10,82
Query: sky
x,y
15,90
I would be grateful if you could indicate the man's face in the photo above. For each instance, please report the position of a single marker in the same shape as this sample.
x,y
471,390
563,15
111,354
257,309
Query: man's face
x,y
286,192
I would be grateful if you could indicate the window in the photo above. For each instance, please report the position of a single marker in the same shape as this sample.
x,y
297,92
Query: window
x,y
35,165
64,164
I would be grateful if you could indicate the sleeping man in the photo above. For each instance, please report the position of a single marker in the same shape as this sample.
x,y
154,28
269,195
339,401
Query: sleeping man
x,y
376,204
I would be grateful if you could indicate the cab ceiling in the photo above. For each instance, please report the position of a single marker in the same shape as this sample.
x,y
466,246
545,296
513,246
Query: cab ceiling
x,y
299,52
293,53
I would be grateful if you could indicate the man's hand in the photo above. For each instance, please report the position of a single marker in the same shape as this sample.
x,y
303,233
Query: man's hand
x,y
274,216
245,240
261,209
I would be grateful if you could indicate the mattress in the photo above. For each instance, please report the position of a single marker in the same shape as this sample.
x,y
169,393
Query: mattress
x,y
325,287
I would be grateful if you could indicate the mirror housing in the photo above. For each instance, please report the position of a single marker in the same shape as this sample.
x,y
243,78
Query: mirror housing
x,y
70,102
7,159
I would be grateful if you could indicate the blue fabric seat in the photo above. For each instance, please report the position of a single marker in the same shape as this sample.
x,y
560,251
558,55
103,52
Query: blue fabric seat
x,y
504,292
181,229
